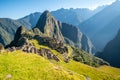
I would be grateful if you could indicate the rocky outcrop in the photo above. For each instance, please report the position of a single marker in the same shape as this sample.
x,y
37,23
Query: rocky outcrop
x,y
48,53
21,42
87,44
48,25
24,45
52,43
62,32
72,33
17,36
75,37
37,32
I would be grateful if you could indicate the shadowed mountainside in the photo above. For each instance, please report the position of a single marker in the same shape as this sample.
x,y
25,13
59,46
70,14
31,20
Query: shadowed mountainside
x,y
111,51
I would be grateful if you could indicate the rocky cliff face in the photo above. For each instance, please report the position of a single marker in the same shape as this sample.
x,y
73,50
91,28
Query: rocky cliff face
x,y
52,43
47,47
72,33
22,42
111,52
87,44
28,47
17,36
63,32
49,26
75,37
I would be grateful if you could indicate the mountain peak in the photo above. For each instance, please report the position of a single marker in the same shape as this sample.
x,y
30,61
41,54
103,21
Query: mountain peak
x,y
45,19
19,31
48,25
46,14
46,11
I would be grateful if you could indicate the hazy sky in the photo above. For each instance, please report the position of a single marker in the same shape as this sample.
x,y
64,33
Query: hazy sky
x,y
19,8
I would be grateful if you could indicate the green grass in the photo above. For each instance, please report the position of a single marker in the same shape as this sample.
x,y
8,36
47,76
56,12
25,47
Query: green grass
x,y
60,56
24,66
70,50
111,70
86,58
107,73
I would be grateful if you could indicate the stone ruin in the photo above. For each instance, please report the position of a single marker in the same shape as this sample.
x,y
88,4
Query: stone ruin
x,y
24,45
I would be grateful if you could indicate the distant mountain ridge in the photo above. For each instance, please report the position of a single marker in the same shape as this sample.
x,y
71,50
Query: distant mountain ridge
x,y
30,20
108,32
102,25
48,25
75,16
70,16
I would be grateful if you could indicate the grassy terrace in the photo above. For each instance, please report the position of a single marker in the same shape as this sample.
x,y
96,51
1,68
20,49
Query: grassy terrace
x,y
23,66
19,65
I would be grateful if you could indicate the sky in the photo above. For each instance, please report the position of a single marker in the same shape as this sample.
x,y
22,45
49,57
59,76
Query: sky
x,y
19,8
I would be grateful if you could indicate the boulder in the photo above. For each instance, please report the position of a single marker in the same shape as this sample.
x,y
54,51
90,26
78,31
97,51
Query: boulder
x,y
12,49
48,53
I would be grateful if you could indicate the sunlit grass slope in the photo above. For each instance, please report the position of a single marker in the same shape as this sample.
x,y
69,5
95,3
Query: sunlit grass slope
x,y
23,66
101,73
19,65
60,56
